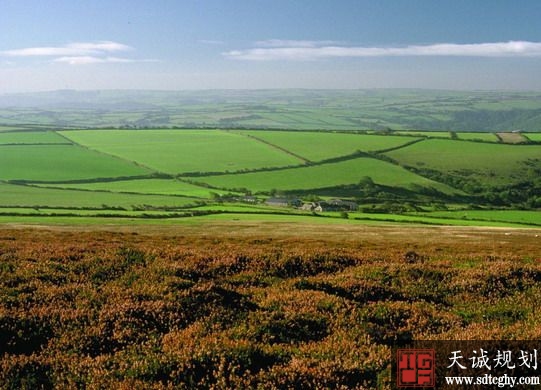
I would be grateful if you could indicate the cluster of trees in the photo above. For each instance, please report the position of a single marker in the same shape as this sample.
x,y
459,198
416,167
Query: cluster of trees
x,y
524,194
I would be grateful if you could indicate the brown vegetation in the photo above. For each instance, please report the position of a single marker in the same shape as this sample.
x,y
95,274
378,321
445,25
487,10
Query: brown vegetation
x,y
512,138
221,308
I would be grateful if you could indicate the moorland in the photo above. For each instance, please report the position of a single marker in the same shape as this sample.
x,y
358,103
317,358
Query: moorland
x,y
274,305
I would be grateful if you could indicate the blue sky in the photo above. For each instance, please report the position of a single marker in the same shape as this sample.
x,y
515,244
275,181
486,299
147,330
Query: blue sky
x,y
215,44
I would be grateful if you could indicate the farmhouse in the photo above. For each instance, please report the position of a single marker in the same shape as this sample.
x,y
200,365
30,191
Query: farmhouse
x,y
249,199
309,206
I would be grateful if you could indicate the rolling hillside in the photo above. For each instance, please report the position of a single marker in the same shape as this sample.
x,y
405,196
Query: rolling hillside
x,y
485,163
165,171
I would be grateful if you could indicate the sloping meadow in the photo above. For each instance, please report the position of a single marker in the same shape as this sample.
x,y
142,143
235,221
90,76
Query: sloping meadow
x,y
283,310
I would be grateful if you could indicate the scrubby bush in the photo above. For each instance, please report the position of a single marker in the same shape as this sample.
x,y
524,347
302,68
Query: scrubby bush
x,y
132,311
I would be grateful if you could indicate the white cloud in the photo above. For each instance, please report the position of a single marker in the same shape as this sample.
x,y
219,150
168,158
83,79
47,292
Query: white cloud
x,y
72,49
84,60
293,43
107,46
78,53
312,50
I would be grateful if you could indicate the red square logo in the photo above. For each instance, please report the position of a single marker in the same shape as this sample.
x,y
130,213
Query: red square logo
x,y
416,368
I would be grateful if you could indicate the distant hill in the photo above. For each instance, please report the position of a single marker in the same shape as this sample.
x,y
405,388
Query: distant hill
x,y
397,109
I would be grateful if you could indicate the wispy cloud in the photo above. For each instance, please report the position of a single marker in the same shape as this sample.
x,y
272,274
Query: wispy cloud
x,y
72,49
84,60
78,53
294,43
312,50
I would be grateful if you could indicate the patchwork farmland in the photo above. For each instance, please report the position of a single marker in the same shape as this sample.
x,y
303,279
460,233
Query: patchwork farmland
x,y
175,174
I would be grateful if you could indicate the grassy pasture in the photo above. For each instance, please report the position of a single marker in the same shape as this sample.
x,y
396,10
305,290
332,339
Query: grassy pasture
x,y
356,218
317,146
317,119
536,137
477,136
513,216
326,175
243,218
438,219
60,162
145,186
29,196
495,163
34,137
210,221
178,151
49,214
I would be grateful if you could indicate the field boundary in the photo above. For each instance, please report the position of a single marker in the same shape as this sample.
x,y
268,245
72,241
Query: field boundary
x,y
399,146
278,148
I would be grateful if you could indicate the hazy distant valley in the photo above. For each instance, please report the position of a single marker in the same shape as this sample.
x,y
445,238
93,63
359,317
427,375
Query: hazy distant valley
x,y
378,109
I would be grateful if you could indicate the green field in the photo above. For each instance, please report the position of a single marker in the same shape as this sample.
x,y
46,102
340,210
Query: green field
x,y
485,162
181,151
326,175
442,219
489,137
34,137
230,220
514,216
46,213
145,186
29,196
317,146
60,163
536,137
238,216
